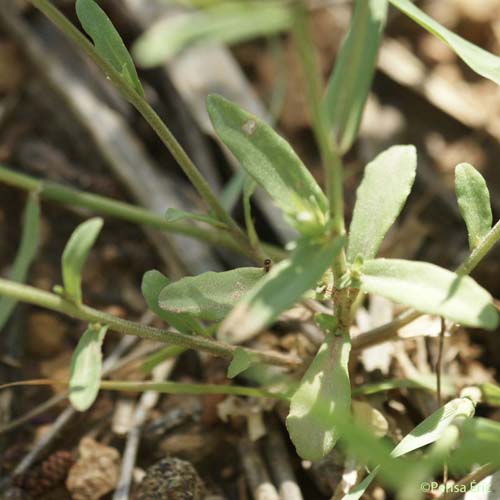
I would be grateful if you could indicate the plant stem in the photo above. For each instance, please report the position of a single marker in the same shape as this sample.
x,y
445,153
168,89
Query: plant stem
x,y
148,113
138,215
34,296
185,388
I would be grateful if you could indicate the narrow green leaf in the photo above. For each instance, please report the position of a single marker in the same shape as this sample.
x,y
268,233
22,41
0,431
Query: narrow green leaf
x,y
481,61
230,22
427,432
209,296
153,282
74,256
386,184
281,287
86,366
248,190
25,254
242,360
474,202
430,289
108,41
432,428
272,163
232,190
490,394
323,397
351,79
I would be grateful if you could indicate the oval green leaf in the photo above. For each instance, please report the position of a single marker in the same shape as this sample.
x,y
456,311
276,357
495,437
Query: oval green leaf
x,y
474,202
108,41
351,79
386,184
153,282
481,61
74,256
209,296
430,289
280,289
272,163
86,366
323,397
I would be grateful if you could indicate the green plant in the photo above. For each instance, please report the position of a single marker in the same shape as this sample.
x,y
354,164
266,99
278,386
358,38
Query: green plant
x,y
325,262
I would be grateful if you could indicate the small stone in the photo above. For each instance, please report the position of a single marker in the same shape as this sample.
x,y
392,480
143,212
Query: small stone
x,y
172,479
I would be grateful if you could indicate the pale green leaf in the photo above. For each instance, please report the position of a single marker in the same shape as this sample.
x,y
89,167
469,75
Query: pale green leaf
x,y
490,394
242,360
386,184
74,256
209,296
482,62
230,22
86,366
323,397
272,163
281,288
430,289
25,254
474,202
153,282
108,42
352,75
427,432
174,215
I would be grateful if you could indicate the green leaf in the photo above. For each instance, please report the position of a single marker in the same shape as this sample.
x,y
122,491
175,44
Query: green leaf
x,y
323,397
230,22
248,190
86,366
281,287
272,163
351,79
209,296
432,428
427,432
74,256
430,289
242,360
107,41
25,254
482,62
474,202
153,282
380,197
490,394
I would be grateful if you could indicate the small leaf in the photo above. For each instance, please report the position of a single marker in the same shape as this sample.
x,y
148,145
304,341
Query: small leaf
x,y
272,163
427,432
25,254
230,22
490,394
474,202
280,289
431,429
86,366
153,282
482,62
242,360
209,296
380,197
74,256
324,396
353,72
430,289
248,190
108,42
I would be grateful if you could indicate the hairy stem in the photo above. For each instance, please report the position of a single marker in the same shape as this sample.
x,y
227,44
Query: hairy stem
x,y
148,113
34,296
138,215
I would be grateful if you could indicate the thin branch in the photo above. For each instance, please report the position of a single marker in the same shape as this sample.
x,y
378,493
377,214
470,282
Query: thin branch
x,y
34,296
